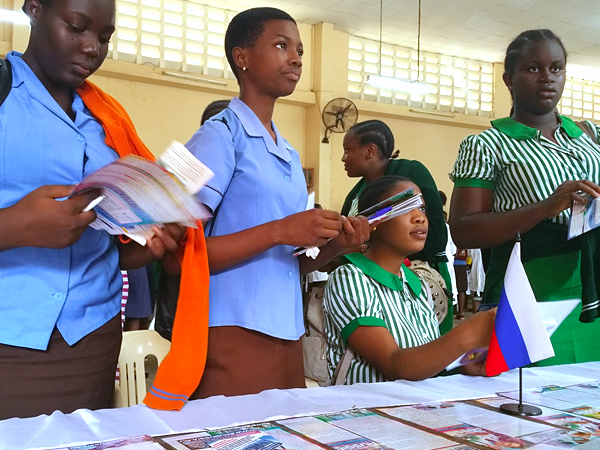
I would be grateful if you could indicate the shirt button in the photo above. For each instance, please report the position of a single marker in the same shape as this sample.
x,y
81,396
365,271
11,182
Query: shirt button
x,y
58,296
80,137
290,274
287,178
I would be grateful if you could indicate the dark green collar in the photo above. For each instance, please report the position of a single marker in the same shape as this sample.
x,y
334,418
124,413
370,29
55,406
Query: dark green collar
x,y
517,130
394,282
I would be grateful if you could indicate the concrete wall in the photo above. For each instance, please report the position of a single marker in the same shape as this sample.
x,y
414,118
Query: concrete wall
x,y
164,108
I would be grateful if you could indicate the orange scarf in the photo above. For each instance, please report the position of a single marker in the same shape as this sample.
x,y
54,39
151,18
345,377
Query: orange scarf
x,y
179,374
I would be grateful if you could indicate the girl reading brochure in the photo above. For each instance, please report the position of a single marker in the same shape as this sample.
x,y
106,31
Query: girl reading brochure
x,y
60,280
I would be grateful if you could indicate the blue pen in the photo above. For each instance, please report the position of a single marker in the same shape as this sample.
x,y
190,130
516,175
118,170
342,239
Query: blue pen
x,y
380,213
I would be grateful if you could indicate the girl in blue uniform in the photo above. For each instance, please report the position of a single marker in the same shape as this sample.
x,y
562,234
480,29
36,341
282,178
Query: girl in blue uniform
x,y
60,281
258,197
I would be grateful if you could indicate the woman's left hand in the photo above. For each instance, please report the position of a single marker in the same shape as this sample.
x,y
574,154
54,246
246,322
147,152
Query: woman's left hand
x,y
474,369
165,239
355,231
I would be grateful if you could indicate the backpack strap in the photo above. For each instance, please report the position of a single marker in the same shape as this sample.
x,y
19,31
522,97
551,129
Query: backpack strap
x,y
5,79
339,377
209,232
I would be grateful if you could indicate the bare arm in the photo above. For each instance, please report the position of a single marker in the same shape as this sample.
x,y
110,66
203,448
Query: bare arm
x,y
377,346
39,220
308,228
473,225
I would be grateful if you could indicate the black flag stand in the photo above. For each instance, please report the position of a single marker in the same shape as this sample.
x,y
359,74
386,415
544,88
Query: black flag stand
x,y
519,409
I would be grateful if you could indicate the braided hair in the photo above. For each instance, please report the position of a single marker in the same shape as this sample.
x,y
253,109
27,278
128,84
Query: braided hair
x,y
378,133
518,45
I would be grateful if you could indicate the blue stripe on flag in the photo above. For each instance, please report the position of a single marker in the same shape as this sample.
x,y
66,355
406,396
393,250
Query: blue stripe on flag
x,y
509,335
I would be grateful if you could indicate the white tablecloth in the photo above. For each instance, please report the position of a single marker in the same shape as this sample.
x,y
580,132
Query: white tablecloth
x,y
93,426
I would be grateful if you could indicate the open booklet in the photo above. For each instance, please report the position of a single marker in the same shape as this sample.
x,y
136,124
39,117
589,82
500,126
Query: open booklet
x,y
584,216
137,193
385,210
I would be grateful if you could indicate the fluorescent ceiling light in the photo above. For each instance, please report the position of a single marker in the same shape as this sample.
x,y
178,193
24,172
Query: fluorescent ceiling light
x,y
397,84
13,16
194,78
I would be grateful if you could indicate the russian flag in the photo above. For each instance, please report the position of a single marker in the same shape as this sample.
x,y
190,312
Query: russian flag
x,y
519,336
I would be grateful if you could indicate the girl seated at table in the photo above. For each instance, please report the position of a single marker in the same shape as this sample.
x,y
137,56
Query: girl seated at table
x,y
378,308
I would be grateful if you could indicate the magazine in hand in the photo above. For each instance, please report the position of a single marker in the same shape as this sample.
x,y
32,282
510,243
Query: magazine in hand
x,y
383,211
137,193
584,216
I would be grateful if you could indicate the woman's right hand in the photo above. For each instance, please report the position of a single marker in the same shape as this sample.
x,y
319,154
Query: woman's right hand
x,y
479,328
312,228
568,192
44,221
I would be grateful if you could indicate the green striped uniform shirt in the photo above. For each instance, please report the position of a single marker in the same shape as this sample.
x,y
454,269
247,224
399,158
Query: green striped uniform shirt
x,y
522,167
364,294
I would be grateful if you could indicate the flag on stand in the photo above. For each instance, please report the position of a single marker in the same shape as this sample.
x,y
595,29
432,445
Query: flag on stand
x,y
519,336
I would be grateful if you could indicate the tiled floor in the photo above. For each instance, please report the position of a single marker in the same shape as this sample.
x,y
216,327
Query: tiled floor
x,y
457,321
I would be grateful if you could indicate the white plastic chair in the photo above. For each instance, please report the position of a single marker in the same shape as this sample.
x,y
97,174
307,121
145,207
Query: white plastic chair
x,y
135,347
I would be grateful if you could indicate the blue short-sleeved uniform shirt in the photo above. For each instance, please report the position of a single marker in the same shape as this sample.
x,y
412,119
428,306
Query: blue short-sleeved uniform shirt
x,y
77,289
257,180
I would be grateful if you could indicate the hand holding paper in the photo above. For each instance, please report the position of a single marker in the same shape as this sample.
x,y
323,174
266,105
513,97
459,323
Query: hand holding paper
x,y
312,228
137,193
45,218
388,209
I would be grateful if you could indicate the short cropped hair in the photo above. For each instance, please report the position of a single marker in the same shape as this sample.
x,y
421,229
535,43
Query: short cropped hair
x,y
246,27
44,3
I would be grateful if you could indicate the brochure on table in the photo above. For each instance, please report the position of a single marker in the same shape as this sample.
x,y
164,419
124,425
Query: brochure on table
x,y
570,419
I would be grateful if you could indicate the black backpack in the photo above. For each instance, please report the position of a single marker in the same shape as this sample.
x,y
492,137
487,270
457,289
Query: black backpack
x,y
5,79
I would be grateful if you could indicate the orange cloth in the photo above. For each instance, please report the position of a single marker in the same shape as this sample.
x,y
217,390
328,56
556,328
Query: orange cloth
x,y
180,372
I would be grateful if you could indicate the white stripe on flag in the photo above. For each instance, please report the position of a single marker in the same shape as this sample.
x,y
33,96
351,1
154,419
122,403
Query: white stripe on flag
x,y
525,308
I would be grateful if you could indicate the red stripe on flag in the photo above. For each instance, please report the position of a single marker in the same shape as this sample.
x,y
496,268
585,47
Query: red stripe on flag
x,y
495,363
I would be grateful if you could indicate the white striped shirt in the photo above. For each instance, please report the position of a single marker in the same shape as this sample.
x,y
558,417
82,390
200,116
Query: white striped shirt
x,y
523,167
364,294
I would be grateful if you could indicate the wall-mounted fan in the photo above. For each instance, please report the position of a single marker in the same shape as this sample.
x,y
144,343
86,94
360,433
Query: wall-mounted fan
x,y
338,115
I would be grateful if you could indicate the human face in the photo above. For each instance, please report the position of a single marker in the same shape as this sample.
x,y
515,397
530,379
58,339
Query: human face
x,y
355,155
539,78
274,62
405,234
69,40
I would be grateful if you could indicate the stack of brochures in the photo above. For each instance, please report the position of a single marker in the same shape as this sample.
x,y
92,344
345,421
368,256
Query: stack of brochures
x,y
569,419
137,193
383,211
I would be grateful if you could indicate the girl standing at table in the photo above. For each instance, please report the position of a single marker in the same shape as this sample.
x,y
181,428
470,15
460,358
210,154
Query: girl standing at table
x,y
60,281
258,197
369,154
378,308
522,175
